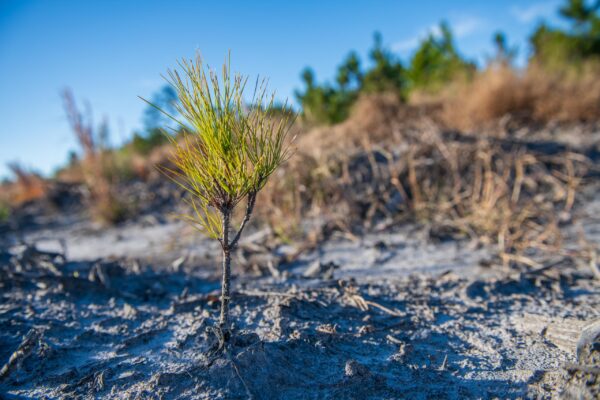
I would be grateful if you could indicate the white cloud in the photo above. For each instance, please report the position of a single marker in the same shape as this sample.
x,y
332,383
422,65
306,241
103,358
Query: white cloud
x,y
534,11
435,30
412,42
465,26
461,27
406,44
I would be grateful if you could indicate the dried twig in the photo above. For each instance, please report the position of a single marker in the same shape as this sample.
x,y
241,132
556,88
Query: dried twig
x,y
259,293
25,348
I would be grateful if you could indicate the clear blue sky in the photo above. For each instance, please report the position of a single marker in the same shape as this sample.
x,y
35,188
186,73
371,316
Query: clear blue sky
x,y
111,51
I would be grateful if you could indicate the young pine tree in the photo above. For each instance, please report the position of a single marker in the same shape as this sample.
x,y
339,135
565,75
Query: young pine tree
x,y
227,153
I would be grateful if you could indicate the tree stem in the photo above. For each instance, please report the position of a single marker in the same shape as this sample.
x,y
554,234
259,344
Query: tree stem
x,y
226,281
228,247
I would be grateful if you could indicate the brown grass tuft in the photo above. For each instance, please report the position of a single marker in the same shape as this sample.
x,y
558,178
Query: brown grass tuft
x,y
535,95
383,168
28,186
97,167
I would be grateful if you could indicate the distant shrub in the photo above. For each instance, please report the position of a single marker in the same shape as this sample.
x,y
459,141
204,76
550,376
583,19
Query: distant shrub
x,y
145,143
4,211
28,185
97,164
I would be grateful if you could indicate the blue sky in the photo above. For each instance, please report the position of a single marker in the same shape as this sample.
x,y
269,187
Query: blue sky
x,y
109,52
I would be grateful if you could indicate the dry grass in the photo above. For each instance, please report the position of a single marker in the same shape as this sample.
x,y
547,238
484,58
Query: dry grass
x,y
392,163
514,199
97,166
537,94
27,186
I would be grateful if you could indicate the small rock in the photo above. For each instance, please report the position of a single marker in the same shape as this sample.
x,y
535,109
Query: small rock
x,y
177,264
354,369
128,312
588,346
321,270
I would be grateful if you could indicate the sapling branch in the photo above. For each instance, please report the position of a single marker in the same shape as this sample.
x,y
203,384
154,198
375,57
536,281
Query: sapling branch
x,y
247,215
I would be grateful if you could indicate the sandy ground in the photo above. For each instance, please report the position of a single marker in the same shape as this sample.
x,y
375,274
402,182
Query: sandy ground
x,y
123,313
120,330
388,315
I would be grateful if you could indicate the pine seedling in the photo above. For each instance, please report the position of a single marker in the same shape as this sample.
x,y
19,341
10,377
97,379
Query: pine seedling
x,y
228,151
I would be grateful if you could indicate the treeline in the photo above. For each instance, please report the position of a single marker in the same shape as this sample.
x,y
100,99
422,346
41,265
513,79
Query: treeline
x,y
437,62
434,65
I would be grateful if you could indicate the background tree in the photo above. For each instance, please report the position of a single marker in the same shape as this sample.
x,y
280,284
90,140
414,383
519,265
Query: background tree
x,y
327,103
505,54
437,62
579,12
560,48
320,103
387,73
165,99
349,76
156,124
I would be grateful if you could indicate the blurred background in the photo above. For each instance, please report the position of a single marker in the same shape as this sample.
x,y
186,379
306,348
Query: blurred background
x,y
110,52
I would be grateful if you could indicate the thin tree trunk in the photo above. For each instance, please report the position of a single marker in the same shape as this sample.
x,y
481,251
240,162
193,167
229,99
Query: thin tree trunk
x,y
225,283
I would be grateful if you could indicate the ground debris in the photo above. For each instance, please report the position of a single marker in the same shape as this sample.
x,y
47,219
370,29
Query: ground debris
x,y
583,378
354,369
114,332
321,270
26,347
